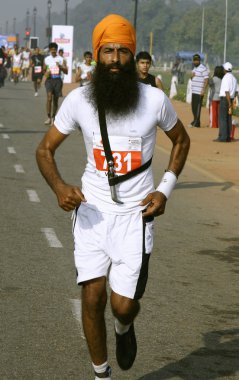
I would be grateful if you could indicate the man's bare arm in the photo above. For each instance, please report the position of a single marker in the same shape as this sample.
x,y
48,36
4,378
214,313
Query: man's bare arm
x,y
68,196
156,201
180,149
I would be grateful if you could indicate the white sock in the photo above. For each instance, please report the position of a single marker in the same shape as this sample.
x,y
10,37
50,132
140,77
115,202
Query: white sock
x,y
120,328
101,369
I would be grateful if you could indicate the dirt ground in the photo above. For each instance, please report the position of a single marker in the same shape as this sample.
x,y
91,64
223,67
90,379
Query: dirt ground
x,y
220,160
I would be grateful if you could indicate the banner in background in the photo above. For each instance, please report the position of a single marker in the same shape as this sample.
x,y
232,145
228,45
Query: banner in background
x,y
63,36
8,41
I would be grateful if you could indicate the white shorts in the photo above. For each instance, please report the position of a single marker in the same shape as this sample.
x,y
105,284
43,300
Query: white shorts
x,y
117,246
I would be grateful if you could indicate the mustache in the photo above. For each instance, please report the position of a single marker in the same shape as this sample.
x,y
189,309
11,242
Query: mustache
x,y
116,65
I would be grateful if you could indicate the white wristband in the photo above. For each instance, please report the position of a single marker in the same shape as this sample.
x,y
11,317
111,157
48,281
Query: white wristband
x,y
167,183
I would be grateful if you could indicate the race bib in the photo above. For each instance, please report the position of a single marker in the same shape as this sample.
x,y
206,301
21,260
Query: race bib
x,y
126,151
37,69
55,72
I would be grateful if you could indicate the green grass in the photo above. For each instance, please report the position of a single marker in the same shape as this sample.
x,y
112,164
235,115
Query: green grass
x,y
182,88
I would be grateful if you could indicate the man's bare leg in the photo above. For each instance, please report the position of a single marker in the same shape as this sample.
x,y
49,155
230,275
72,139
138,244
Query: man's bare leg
x,y
125,310
94,299
48,103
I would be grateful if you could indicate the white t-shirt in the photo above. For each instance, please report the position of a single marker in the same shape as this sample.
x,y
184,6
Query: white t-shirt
x,y
84,70
132,141
201,73
229,84
51,63
26,58
17,60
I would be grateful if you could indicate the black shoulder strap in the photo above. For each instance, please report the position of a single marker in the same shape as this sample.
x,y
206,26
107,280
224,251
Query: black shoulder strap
x,y
112,178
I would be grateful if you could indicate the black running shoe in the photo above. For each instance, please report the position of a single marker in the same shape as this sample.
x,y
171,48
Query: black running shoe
x,y
126,348
104,375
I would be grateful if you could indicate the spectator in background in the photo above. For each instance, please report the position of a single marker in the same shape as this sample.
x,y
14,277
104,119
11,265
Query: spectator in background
x,y
181,71
84,70
214,98
228,92
200,76
143,63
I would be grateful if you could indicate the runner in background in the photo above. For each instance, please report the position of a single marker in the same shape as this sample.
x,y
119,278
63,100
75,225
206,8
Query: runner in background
x,y
16,64
26,55
85,69
143,63
37,62
61,54
53,66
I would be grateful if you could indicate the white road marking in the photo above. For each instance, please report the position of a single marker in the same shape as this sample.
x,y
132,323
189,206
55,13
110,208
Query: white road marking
x,y
1,125
11,150
33,197
51,237
77,312
19,168
5,136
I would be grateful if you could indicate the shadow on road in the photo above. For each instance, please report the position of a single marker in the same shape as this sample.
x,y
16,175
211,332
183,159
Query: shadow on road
x,y
197,185
219,358
26,132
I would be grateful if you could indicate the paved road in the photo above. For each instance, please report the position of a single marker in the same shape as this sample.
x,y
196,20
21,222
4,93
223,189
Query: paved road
x,y
188,327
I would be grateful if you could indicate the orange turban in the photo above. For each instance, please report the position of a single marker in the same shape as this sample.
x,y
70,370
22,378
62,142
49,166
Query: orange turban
x,y
113,29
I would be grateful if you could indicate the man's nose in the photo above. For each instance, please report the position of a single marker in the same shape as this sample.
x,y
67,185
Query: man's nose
x,y
115,55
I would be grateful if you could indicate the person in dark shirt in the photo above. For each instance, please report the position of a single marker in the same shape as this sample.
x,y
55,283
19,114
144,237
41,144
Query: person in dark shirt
x,y
143,63
2,66
37,61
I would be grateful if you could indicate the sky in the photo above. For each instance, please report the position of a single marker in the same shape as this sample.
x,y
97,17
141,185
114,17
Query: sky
x,y
18,8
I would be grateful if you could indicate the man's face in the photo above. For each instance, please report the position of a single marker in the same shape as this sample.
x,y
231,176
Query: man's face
x,y
196,62
53,51
88,59
114,54
143,66
115,83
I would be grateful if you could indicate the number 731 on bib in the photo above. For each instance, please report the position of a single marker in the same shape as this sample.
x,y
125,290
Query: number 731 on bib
x,y
126,152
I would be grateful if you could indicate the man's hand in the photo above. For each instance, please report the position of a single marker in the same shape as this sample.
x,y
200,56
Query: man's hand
x,y
69,197
155,202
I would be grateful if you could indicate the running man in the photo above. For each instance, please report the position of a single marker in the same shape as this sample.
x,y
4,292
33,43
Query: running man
x,y
113,224
37,62
16,64
143,64
53,66
85,70
26,56
61,54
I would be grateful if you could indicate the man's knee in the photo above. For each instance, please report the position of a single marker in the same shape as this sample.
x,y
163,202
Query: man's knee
x,y
123,307
94,296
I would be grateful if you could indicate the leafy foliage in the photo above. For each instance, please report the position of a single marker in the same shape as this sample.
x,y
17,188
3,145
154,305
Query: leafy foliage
x,y
175,24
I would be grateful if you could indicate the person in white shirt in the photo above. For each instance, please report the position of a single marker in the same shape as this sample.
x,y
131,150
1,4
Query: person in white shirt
x,y
113,223
61,54
16,61
200,78
26,55
228,91
85,70
54,65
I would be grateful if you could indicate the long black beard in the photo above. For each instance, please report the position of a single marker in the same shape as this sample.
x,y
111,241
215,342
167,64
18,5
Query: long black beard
x,y
117,93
